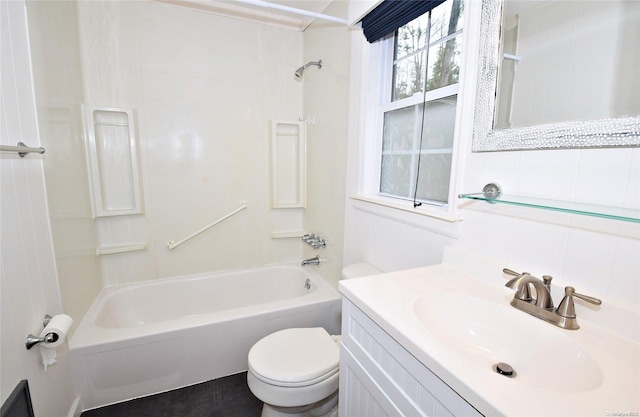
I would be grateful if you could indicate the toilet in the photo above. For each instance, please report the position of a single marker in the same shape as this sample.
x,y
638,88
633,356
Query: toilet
x,y
295,371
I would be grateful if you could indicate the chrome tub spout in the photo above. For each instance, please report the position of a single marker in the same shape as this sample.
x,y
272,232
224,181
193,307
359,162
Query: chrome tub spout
x,y
311,261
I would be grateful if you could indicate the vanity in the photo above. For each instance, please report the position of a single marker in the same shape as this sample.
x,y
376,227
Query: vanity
x,y
444,340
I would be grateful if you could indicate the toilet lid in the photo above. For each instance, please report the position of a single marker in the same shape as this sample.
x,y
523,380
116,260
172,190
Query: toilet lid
x,y
295,357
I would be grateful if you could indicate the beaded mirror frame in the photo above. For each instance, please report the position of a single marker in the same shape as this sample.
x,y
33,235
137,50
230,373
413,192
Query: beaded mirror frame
x,y
600,133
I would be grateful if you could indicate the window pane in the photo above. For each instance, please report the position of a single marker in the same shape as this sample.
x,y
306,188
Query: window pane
x,y
439,123
433,180
396,176
411,37
409,58
446,19
444,64
401,129
408,76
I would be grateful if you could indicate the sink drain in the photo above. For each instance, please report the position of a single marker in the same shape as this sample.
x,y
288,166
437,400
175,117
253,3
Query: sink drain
x,y
504,369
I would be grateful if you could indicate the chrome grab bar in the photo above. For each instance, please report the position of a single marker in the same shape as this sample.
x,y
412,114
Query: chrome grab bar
x,y
21,149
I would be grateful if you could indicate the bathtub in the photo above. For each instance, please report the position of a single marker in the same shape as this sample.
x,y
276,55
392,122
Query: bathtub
x,y
145,338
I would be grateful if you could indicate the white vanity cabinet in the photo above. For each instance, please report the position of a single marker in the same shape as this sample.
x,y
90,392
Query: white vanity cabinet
x,y
378,377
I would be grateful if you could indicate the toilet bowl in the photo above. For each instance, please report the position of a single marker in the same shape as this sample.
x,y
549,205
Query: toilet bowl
x,y
295,372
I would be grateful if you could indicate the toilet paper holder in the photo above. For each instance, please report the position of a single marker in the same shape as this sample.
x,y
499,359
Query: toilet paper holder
x,y
31,340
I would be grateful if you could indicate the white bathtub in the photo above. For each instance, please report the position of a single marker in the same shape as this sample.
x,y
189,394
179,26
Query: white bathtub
x,y
144,338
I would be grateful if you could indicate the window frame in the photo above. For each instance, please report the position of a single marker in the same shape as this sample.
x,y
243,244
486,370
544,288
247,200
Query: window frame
x,y
387,104
368,89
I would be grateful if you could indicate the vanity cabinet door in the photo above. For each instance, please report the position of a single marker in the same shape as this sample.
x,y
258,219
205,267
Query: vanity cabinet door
x,y
379,377
359,394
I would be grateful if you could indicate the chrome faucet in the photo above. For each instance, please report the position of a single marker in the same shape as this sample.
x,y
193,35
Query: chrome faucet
x,y
314,241
311,261
542,306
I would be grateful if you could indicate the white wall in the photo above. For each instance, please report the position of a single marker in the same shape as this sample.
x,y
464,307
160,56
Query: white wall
x,y
594,255
326,105
53,33
29,285
204,88
597,256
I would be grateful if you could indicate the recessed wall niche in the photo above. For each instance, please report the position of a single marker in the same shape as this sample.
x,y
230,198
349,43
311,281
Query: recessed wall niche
x,y
288,165
112,159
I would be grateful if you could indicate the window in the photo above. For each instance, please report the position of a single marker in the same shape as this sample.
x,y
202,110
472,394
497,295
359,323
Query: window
x,y
418,107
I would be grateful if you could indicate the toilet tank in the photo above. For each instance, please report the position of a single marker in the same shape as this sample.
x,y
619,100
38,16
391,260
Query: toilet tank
x,y
361,269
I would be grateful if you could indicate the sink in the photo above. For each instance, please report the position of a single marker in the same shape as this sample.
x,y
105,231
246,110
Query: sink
x,y
484,333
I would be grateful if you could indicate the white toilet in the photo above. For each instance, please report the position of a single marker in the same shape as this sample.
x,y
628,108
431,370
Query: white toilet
x,y
295,371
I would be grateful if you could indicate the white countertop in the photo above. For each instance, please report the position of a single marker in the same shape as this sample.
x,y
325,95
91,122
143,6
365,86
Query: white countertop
x,y
389,300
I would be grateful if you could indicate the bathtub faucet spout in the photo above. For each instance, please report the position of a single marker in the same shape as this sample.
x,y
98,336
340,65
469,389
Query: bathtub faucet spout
x,y
311,261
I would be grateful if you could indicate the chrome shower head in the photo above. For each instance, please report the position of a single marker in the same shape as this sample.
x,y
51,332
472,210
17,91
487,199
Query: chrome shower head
x,y
299,71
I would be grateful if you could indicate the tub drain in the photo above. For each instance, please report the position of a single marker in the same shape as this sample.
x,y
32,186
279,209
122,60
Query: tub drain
x,y
504,369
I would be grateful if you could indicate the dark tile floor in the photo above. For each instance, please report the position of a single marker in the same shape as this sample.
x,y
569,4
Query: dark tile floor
x,y
223,397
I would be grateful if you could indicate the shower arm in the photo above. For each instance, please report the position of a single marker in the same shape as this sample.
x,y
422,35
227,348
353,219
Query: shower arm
x,y
317,63
300,71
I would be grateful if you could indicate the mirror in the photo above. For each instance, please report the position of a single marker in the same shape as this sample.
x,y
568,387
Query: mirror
x,y
499,127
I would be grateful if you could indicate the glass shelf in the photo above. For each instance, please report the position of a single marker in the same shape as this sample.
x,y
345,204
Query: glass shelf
x,y
615,213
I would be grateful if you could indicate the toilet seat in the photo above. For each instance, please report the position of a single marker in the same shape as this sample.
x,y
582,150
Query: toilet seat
x,y
295,357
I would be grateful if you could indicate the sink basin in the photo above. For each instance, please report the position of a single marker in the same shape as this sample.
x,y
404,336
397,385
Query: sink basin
x,y
484,333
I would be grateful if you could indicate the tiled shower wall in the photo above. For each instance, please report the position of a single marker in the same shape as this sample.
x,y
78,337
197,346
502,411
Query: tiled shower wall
x,y
204,88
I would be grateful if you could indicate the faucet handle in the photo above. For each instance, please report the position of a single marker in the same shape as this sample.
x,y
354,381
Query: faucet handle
x,y
567,309
512,272
589,299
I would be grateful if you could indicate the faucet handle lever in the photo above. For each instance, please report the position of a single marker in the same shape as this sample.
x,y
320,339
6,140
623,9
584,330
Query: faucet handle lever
x,y
567,309
588,298
512,272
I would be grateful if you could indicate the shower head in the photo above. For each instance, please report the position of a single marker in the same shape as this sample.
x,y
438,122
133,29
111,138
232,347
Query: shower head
x,y
299,71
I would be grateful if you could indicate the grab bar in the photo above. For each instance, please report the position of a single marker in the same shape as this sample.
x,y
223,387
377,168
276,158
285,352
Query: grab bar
x,y
172,245
21,148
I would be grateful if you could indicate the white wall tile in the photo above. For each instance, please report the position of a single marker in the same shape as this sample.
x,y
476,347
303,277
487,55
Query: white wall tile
x,y
598,180
547,174
589,260
632,193
625,274
422,248
539,244
495,232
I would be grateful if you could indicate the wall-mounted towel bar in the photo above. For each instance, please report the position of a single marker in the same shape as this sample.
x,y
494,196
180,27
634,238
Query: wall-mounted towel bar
x,y
172,245
513,57
21,149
